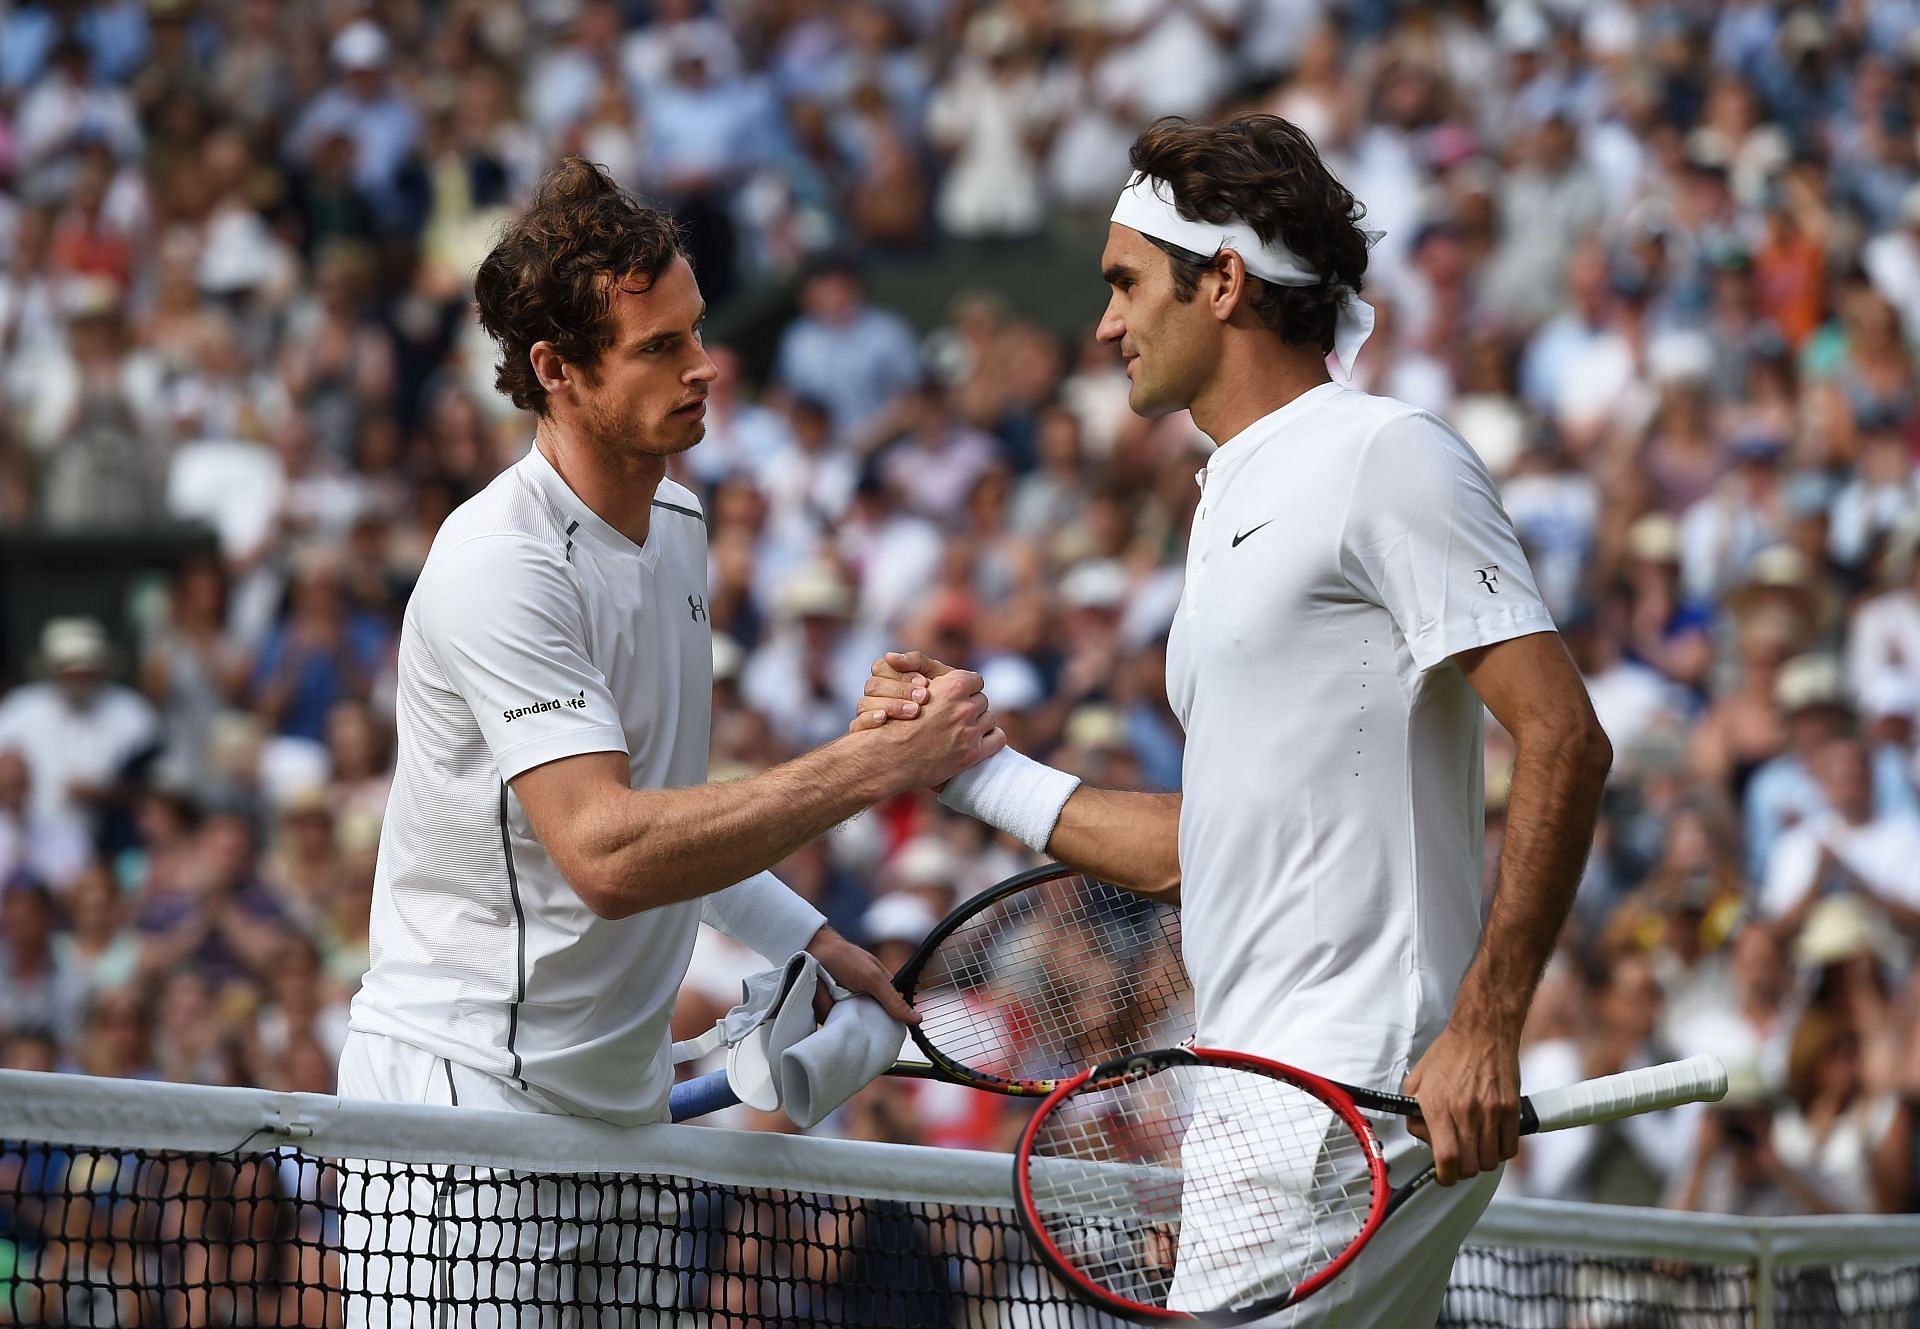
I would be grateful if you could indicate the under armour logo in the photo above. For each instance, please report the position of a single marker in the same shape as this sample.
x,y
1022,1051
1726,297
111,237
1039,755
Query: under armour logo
x,y
1489,577
696,608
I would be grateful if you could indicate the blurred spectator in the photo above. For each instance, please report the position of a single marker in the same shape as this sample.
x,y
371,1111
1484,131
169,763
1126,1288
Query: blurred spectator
x,y
1892,261
1836,1133
843,352
988,117
50,848
802,678
1736,1167
323,652
1784,790
367,108
37,990
1554,191
99,949
1849,847
78,731
1744,1016
192,668
216,921
67,108
1626,1161
934,461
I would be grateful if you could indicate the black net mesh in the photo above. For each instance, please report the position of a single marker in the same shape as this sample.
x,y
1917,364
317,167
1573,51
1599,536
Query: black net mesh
x,y
139,1237
136,1237
1508,1288
1859,1295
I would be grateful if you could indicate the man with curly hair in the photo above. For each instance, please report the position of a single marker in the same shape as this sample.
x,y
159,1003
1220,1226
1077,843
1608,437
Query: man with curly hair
x,y
1355,601
551,845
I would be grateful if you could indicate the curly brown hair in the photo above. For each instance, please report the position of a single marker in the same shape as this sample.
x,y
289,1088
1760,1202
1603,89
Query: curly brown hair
x,y
552,274
1266,171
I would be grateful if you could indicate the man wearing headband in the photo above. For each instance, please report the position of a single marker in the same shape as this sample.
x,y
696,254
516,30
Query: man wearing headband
x,y
1355,600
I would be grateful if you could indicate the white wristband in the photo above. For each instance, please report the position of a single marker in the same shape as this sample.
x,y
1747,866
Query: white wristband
x,y
1012,793
765,914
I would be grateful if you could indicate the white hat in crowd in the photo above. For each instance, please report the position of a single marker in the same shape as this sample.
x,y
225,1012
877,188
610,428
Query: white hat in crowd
x,y
926,860
1097,583
74,645
361,45
897,916
816,591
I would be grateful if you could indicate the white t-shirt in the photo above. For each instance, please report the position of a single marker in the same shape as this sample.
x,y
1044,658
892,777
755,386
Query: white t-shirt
x,y
1885,853
64,746
1346,546
536,632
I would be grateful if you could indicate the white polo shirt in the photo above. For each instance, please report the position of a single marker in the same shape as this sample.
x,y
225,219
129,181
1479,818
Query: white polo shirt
x,y
536,632
1330,835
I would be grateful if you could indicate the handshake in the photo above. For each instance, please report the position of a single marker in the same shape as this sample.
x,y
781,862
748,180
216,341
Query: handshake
x,y
924,722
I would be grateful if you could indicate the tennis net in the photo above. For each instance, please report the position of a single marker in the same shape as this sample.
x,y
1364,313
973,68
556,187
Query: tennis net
x,y
126,1203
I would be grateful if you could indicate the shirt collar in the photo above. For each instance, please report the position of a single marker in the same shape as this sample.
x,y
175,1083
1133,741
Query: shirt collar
x,y
1244,443
578,520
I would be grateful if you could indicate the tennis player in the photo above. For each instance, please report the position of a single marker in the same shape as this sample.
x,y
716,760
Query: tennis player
x,y
1354,595
550,845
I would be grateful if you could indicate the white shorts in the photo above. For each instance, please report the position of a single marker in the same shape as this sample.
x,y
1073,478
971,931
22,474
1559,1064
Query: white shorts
x,y
430,1247
1397,1281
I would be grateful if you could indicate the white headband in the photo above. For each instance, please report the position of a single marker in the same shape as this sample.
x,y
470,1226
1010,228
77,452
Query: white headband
x,y
1147,206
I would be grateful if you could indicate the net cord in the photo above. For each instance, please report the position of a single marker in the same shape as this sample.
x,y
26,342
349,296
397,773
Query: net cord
x,y
124,1114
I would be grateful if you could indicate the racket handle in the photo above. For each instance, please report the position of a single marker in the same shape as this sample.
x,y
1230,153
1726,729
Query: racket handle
x,y
701,1095
1701,1079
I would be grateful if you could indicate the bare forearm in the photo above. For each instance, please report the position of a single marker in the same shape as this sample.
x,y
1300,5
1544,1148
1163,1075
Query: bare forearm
x,y
1130,839
1551,810
653,847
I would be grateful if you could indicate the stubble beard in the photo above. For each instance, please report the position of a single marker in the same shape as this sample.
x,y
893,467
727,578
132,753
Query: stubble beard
x,y
623,441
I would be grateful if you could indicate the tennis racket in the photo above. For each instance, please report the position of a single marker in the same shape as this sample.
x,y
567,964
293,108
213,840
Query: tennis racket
x,y
1027,983
1200,1185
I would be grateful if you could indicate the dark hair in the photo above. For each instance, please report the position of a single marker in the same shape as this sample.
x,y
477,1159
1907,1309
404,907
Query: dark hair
x,y
552,273
1265,171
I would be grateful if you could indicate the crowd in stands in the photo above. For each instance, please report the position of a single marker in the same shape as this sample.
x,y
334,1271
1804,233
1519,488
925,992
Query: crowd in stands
x,y
1657,260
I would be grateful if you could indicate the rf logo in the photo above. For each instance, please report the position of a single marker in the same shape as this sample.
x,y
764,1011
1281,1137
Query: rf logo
x,y
1489,577
696,608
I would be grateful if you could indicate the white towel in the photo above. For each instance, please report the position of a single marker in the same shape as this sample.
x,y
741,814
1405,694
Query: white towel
x,y
776,1057
823,1070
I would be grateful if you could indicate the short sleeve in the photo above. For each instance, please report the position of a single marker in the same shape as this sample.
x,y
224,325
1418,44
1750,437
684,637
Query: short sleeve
x,y
1426,538
502,618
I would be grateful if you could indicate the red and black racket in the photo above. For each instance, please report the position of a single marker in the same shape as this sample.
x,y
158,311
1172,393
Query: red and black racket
x,y
1026,983
1195,1184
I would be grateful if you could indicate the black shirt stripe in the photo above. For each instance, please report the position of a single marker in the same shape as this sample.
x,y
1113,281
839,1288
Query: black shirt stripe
x,y
520,939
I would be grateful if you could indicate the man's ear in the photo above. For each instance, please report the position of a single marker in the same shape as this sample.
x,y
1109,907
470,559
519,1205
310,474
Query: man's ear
x,y
1227,291
553,372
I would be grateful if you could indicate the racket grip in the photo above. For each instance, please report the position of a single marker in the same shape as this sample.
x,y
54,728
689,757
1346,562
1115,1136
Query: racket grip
x,y
1701,1079
701,1095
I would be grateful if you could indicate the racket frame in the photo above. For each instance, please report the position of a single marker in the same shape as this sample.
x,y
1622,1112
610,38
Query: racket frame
x,y
1696,1079
1339,1098
906,981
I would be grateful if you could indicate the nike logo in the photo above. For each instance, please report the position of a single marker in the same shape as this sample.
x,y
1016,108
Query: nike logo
x,y
1244,534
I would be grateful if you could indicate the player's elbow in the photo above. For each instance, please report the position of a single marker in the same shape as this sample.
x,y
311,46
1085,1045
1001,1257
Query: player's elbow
x,y
598,890
616,886
1594,750
1570,736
